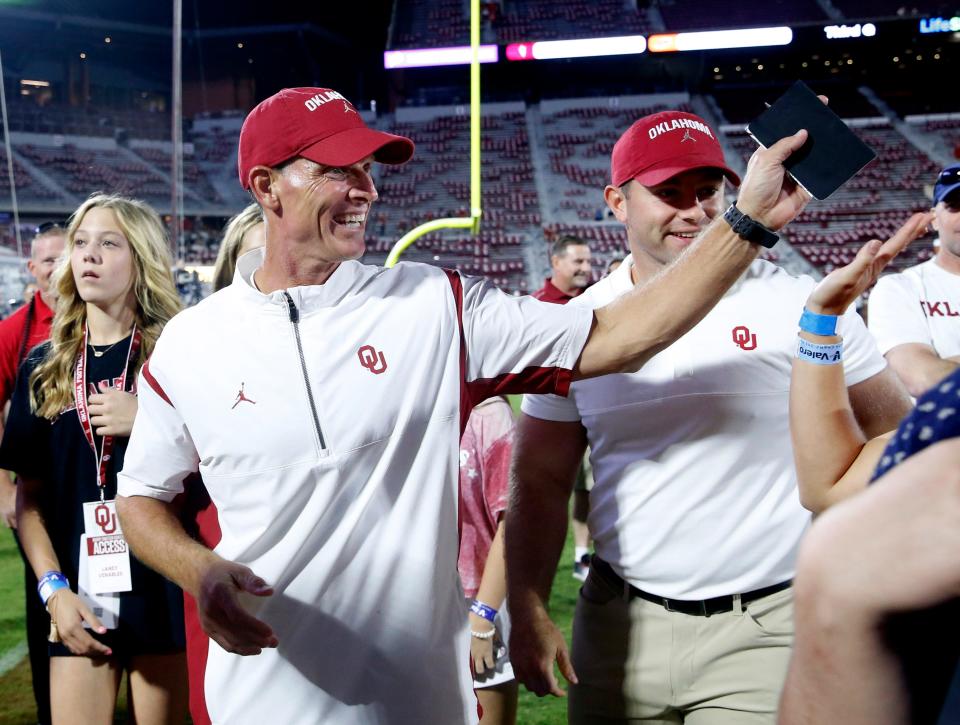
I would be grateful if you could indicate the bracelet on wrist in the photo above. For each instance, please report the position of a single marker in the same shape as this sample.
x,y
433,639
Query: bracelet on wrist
x,y
817,324
819,354
484,635
49,583
482,610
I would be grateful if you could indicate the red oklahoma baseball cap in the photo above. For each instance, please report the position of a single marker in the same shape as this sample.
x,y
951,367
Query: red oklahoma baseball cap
x,y
662,145
318,124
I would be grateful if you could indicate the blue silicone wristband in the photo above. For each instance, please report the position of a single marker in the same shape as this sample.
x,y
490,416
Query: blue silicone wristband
x,y
818,324
483,610
49,583
819,354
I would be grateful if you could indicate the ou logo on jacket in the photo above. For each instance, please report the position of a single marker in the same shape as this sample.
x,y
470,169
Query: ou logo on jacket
x,y
372,360
743,338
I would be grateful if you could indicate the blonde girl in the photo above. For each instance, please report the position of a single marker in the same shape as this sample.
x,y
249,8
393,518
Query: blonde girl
x,y
70,417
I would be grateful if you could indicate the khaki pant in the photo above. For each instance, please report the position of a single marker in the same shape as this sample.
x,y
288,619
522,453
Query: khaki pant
x,y
637,662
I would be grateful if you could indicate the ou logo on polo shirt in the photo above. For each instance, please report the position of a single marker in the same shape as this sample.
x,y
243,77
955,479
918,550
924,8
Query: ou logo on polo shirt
x,y
743,338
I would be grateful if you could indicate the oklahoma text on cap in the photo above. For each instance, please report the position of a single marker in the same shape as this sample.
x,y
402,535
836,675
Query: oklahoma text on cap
x,y
318,124
662,145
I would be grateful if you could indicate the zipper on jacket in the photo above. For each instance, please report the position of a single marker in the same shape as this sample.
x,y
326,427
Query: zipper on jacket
x,y
295,321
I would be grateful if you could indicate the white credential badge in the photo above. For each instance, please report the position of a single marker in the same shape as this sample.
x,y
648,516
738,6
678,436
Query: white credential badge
x,y
105,549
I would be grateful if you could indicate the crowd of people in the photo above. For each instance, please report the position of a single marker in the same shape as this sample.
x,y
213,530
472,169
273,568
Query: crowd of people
x,y
305,499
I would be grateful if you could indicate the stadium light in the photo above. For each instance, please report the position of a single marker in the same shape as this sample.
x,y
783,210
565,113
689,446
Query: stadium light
x,y
834,32
432,57
940,25
719,39
582,48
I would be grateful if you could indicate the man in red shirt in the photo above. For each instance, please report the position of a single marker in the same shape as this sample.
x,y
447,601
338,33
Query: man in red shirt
x,y
20,333
570,260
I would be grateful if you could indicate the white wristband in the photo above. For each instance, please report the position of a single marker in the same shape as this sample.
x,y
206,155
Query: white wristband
x,y
819,354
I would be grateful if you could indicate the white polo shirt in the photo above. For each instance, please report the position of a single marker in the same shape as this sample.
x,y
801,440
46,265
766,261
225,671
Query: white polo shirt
x,y
342,496
921,304
695,493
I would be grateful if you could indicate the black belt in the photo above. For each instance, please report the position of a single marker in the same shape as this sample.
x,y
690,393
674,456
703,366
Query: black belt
x,y
699,607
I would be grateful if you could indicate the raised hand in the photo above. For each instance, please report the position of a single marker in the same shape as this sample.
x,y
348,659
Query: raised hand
x,y
768,194
839,289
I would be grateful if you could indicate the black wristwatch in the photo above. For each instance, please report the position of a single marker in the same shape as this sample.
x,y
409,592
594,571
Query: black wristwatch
x,y
748,229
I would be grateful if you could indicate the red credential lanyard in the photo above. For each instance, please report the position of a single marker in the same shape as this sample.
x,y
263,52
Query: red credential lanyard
x,y
83,412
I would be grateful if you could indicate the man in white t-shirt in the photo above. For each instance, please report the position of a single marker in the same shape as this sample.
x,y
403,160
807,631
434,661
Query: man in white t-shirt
x,y
915,315
322,400
686,613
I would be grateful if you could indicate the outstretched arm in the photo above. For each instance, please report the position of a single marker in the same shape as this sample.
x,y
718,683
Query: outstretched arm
x,y
831,449
889,550
919,366
641,323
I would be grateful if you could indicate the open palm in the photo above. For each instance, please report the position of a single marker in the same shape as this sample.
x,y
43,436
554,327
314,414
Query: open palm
x,y
843,285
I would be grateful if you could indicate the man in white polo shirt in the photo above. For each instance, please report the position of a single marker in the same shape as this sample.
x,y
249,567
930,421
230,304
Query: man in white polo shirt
x,y
686,613
915,315
322,401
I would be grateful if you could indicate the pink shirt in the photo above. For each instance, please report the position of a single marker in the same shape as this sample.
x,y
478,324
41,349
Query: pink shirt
x,y
484,475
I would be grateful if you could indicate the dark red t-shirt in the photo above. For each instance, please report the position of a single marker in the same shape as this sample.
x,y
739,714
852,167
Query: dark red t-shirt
x,y
11,341
551,293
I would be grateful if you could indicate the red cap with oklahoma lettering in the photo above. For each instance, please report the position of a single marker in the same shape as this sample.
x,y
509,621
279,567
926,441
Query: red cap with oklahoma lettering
x,y
318,124
662,145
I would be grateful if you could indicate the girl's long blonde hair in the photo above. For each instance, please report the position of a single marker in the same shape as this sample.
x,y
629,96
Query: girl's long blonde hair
x,y
233,235
51,383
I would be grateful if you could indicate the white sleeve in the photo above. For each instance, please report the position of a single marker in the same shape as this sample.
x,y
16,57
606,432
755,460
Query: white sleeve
x,y
551,407
896,317
861,358
518,344
161,452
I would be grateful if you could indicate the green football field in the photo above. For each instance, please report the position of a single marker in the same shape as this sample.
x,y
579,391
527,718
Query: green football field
x,y
16,697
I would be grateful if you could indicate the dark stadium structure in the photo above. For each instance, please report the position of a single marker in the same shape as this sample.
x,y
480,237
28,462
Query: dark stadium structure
x,y
89,99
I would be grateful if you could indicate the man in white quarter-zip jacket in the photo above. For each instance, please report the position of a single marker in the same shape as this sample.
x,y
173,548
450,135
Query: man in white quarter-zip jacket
x,y
322,402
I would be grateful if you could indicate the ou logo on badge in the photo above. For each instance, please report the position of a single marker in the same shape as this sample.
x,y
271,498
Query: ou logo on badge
x,y
105,520
743,338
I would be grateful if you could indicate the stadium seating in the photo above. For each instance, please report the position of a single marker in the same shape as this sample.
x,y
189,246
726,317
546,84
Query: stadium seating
x,y
434,24
550,20
857,9
193,176
69,121
578,142
446,22
81,171
871,206
946,135
437,185
28,189
693,15
544,168
743,104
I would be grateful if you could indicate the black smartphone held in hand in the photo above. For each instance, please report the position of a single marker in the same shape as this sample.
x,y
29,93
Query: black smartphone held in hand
x,y
832,155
